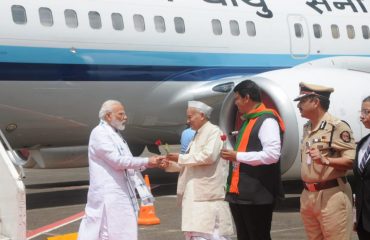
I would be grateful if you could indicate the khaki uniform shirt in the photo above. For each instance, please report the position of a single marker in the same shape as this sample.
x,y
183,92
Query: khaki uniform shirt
x,y
342,145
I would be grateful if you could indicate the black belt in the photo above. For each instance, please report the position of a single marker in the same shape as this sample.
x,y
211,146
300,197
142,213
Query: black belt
x,y
314,187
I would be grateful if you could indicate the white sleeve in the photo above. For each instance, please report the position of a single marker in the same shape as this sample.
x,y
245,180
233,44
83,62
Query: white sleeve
x,y
269,135
102,147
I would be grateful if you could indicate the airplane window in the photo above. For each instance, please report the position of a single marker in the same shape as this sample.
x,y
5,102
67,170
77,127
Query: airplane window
x,y
70,16
365,32
251,28
19,14
234,28
46,17
139,23
216,26
298,30
117,21
95,20
179,25
159,23
350,32
317,30
335,31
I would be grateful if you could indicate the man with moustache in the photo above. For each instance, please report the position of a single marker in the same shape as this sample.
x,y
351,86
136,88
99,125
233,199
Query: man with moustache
x,y
361,170
111,207
327,153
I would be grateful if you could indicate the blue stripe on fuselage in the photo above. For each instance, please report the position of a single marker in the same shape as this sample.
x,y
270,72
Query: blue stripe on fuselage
x,y
83,72
146,58
47,64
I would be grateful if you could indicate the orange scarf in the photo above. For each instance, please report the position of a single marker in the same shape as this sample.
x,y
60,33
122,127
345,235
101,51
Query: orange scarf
x,y
243,139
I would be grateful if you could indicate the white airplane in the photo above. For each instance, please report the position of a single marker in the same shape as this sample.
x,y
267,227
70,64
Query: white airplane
x,y
59,60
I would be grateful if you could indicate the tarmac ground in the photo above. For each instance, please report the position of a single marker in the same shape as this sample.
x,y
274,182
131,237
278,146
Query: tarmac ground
x,y
56,194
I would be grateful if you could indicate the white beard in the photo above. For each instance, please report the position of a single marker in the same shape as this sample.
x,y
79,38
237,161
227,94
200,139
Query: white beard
x,y
120,125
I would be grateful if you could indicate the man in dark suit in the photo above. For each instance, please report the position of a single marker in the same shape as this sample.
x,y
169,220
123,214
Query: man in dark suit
x,y
361,170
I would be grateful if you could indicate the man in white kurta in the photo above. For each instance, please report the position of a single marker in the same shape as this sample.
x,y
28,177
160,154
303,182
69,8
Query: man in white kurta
x,y
202,179
109,212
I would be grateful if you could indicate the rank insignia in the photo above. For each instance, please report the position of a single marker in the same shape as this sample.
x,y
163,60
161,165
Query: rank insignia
x,y
345,136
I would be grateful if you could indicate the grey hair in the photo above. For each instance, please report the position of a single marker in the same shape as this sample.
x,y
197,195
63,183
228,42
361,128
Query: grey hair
x,y
107,107
207,114
367,99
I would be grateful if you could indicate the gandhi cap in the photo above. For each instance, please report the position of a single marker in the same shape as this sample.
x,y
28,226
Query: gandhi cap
x,y
307,89
202,107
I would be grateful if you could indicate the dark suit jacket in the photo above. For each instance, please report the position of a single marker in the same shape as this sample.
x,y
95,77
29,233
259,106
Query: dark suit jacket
x,y
362,181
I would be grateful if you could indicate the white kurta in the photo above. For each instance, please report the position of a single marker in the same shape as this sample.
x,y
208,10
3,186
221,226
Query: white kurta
x,y
201,185
108,197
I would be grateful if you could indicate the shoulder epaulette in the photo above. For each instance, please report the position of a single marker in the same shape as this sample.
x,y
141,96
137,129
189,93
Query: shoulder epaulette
x,y
346,123
322,125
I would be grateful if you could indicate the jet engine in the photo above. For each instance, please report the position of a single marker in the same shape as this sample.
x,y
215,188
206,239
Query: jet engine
x,y
280,87
273,96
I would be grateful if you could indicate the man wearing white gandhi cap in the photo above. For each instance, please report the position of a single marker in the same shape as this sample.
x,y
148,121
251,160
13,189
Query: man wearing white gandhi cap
x,y
201,183
201,107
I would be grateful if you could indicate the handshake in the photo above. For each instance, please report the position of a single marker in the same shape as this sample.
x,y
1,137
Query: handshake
x,y
162,161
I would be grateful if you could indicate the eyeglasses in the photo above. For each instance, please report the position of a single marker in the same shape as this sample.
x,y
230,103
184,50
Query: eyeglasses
x,y
365,112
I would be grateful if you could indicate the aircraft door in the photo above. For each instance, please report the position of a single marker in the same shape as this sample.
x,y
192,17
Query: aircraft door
x,y
299,36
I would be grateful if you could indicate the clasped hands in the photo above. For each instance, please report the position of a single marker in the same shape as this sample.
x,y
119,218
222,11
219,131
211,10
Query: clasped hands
x,y
157,162
162,161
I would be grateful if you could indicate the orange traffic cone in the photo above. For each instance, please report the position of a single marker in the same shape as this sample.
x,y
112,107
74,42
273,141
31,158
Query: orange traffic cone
x,y
147,212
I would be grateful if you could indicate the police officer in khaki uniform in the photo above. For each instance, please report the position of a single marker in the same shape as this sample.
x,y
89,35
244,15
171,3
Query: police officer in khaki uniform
x,y
327,152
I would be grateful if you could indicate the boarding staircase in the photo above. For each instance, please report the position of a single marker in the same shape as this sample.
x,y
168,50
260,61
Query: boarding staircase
x,y
12,194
